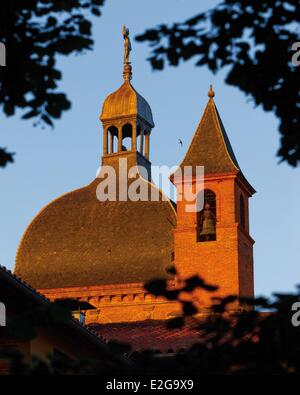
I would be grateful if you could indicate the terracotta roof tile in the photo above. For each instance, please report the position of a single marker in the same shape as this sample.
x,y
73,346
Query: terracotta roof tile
x,y
210,146
148,335
79,241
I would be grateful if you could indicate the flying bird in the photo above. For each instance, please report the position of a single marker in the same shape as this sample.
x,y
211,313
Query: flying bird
x,y
180,142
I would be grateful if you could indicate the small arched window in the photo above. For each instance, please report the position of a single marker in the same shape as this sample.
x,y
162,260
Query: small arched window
x,y
242,212
127,137
207,218
113,139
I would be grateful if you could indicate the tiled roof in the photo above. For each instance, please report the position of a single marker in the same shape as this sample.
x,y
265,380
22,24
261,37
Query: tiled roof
x,y
79,241
22,283
210,146
149,335
126,101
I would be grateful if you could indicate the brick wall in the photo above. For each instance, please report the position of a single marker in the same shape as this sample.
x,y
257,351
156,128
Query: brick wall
x,y
226,262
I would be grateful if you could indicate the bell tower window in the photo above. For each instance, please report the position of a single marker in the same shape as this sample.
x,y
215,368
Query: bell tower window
x,y
127,140
206,218
113,138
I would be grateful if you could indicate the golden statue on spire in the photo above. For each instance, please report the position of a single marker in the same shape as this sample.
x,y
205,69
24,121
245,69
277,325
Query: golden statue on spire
x,y
127,45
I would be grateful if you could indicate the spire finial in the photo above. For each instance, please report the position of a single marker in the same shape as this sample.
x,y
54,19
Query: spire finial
x,y
211,93
127,72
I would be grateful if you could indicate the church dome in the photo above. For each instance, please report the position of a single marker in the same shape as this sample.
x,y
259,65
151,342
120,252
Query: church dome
x,y
79,241
126,101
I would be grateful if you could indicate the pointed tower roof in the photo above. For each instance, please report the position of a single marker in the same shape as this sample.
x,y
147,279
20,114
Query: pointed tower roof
x,y
210,146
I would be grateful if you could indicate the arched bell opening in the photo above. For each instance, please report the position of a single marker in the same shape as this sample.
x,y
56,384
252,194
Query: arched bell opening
x,y
207,218
127,137
112,134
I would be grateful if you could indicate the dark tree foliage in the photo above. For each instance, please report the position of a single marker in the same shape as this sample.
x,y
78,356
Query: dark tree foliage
x,y
259,339
35,32
5,157
253,41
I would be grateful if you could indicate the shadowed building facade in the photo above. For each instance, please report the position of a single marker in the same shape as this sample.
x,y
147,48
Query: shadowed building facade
x,y
65,341
103,252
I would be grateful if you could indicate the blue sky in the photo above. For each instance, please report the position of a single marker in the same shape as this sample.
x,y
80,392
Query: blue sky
x,y
52,162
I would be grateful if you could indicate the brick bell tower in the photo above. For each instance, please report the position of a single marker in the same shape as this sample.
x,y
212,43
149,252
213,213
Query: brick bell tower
x,y
214,242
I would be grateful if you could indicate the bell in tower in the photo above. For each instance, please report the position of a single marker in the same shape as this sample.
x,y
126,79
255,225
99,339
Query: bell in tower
x,y
217,237
208,224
